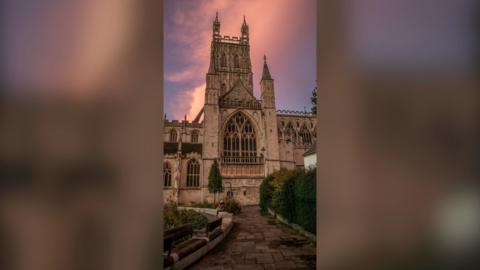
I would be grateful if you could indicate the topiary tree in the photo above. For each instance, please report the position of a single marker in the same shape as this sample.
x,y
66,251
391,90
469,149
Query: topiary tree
x,y
214,180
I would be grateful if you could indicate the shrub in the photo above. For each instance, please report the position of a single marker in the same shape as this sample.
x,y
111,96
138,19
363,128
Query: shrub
x,y
305,201
280,177
266,192
174,217
286,196
232,206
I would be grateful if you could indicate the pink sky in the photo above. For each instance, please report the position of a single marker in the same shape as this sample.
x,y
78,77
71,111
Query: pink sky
x,y
284,30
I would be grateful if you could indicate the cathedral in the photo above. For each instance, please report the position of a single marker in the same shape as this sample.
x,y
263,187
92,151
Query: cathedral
x,y
247,136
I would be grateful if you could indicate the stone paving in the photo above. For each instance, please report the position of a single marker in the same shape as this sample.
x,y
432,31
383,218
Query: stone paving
x,y
259,242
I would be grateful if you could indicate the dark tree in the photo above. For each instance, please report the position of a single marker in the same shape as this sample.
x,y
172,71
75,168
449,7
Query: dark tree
x,y
313,99
214,180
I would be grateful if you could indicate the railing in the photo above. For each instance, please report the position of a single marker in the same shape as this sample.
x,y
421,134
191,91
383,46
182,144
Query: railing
x,y
249,104
242,160
293,112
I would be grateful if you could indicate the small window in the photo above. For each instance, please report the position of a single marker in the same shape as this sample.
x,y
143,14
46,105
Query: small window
x,y
167,175
244,193
173,135
194,136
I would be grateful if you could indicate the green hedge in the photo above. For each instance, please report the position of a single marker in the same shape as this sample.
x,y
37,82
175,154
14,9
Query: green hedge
x,y
292,194
305,201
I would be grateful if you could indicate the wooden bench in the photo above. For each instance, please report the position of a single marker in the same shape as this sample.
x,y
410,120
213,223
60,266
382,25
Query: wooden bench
x,y
214,229
178,243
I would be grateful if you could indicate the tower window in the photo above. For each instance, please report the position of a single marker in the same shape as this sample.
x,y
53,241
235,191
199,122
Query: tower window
x,y
193,173
223,60
167,174
236,61
173,135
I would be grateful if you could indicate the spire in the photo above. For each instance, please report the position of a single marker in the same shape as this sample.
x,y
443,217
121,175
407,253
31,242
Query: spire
x,y
245,31
216,26
244,20
216,16
266,73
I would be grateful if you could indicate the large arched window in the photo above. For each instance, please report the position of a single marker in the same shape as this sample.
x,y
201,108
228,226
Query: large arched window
x,y
173,135
194,136
239,137
305,135
193,173
167,174
236,61
290,133
223,60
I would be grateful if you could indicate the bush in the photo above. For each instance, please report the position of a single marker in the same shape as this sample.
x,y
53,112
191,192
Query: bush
x,y
232,206
305,201
291,194
280,177
266,192
174,217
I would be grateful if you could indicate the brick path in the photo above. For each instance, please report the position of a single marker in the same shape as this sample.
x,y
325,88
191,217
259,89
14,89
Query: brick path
x,y
259,242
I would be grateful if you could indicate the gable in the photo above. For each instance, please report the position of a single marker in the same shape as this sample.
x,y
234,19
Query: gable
x,y
238,92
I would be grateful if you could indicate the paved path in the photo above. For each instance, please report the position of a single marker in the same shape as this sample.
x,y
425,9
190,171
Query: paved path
x,y
259,242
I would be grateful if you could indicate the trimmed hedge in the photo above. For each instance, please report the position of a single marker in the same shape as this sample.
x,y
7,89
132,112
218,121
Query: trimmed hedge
x,y
292,194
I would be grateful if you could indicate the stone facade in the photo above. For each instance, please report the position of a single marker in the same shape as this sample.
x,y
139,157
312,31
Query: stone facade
x,y
248,136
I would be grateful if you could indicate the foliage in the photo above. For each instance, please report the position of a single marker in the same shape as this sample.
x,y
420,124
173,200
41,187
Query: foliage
x,y
214,179
232,206
266,192
305,201
173,217
280,177
291,194
313,99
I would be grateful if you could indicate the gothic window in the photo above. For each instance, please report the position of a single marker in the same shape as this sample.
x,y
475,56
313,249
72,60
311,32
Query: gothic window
x,y
194,136
223,88
167,174
239,137
290,132
173,135
236,61
223,60
305,135
193,173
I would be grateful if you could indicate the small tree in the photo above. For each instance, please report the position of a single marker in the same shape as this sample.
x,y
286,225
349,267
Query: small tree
x,y
313,99
214,180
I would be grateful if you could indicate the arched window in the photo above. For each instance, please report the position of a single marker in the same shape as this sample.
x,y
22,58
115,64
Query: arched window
x,y
194,136
223,60
290,132
236,61
223,88
167,174
239,137
193,173
173,135
305,135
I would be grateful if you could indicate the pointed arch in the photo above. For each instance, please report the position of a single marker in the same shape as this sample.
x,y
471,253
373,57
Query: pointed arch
x,y
305,135
194,136
193,173
290,132
223,60
167,174
236,61
173,135
239,138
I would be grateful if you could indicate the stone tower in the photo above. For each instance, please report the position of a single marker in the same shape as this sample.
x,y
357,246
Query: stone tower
x,y
272,162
